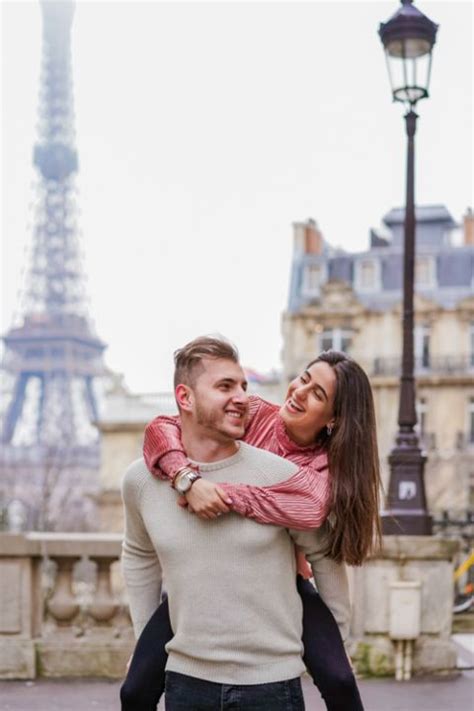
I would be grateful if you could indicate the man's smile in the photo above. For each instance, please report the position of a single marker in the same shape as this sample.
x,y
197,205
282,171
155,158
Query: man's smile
x,y
235,414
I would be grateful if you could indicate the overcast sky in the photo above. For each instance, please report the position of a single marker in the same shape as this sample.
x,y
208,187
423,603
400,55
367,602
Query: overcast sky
x,y
204,130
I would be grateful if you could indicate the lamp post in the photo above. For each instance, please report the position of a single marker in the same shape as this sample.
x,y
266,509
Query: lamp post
x,y
408,38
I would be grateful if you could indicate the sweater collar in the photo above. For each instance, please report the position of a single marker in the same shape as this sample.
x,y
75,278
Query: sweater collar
x,y
221,463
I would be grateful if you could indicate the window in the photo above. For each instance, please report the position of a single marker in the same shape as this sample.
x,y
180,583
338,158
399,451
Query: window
x,y
313,276
336,339
471,345
367,275
421,412
422,346
470,424
425,272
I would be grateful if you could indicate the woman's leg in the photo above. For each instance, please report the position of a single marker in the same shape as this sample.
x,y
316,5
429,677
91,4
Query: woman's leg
x,y
324,653
145,680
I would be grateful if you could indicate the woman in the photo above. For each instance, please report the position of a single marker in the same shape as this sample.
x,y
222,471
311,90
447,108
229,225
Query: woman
x,y
328,418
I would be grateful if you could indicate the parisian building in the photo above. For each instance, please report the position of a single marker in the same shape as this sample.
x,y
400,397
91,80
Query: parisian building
x,y
353,302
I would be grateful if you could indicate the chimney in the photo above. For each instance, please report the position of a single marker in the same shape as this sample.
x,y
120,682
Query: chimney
x,y
307,237
469,227
313,238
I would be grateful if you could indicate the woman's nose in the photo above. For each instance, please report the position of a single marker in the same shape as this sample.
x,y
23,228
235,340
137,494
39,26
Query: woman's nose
x,y
300,392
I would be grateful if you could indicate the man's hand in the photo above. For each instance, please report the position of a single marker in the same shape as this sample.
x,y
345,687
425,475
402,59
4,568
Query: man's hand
x,y
206,499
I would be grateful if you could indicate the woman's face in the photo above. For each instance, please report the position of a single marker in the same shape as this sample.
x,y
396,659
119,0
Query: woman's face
x,y
309,404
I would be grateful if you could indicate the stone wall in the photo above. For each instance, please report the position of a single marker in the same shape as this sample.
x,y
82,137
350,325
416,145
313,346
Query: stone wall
x,y
427,560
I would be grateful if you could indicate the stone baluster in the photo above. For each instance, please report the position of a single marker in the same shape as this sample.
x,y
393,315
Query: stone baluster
x,y
63,605
104,605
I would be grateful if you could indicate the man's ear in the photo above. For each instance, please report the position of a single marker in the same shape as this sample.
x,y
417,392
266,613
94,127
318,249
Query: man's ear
x,y
184,397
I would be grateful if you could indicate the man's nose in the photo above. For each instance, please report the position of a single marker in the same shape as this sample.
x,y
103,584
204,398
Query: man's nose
x,y
241,396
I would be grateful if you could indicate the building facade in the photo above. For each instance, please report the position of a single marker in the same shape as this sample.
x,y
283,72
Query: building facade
x,y
353,302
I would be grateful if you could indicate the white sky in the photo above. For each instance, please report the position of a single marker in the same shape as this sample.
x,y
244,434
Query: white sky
x,y
204,130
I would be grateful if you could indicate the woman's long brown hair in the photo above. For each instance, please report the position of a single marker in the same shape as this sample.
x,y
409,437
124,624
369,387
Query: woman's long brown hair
x,y
353,463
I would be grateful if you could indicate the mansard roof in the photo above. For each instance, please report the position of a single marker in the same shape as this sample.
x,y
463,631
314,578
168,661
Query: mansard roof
x,y
423,213
451,266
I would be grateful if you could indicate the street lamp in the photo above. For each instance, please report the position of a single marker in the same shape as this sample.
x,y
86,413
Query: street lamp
x,y
408,39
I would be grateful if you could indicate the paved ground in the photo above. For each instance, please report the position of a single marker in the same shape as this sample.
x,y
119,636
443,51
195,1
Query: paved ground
x,y
438,694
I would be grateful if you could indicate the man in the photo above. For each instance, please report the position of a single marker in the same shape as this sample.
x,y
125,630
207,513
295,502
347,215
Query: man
x,y
234,607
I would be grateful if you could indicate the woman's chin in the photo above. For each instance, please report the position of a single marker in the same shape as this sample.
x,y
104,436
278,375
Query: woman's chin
x,y
287,416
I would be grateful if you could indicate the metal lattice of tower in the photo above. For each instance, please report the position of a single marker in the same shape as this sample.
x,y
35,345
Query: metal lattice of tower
x,y
50,447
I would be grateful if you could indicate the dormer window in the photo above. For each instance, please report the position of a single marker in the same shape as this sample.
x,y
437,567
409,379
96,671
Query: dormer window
x,y
425,272
314,275
367,275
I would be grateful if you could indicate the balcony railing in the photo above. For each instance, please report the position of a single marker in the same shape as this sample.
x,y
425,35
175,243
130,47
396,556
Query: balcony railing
x,y
63,609
436,365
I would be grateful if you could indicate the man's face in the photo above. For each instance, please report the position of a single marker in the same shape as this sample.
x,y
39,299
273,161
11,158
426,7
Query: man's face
x,y
220,400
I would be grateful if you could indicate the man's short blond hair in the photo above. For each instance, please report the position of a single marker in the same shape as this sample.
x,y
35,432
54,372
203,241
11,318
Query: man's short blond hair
x,y
188,359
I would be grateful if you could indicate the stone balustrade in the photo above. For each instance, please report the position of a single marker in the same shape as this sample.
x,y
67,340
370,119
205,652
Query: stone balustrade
x,y
63,611
55,623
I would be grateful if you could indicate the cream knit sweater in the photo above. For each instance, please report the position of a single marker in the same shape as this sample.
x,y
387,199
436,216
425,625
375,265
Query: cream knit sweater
x,y
233,602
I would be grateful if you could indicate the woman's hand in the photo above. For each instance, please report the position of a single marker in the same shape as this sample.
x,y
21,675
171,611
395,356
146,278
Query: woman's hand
x,y
206,499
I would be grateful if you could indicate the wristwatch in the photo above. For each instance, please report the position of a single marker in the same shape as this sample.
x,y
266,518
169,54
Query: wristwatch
x,y
185,479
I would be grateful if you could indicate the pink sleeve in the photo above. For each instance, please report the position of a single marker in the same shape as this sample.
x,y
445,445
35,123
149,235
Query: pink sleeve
x,y
260,422
162,447
300,502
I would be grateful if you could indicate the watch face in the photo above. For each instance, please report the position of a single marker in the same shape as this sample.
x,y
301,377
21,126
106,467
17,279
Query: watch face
x,y
184,484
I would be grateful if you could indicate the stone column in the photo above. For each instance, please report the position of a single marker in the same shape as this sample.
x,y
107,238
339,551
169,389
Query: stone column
x,y
20,606
428,560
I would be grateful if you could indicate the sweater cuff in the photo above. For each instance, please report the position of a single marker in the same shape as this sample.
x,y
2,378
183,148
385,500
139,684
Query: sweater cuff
x,y
169,464
238,504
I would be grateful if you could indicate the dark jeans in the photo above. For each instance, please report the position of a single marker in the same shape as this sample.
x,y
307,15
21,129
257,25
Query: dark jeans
x,y
324,656
324,653
185,693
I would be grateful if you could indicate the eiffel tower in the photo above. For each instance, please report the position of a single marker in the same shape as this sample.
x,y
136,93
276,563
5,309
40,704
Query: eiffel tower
x,y
49,458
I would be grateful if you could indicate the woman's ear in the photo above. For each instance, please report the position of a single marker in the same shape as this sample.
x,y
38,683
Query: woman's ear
x,y
184,397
